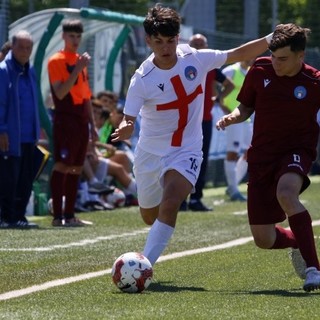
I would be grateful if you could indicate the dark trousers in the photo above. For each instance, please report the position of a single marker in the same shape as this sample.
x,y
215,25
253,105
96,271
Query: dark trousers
x,y
16,180
207,133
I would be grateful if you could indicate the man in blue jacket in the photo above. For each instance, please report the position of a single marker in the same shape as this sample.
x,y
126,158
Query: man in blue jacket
x,y
19,131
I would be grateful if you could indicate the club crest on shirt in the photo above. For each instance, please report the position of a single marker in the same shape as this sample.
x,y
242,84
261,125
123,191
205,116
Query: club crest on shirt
x,y
266,82
300,92
190,72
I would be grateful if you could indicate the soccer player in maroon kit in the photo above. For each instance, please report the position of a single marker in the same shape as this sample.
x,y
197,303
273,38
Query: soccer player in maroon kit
x,y
284,93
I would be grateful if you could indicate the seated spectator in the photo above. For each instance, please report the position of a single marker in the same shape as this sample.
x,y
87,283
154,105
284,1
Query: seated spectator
x,y
99,168
114,120
88,199
104,129
108,99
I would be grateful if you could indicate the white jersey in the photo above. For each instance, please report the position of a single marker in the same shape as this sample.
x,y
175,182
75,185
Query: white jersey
x,y
170,102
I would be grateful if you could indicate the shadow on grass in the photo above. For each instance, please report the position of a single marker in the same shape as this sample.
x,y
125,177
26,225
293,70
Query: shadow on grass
x,y
280,293
168,287
283,293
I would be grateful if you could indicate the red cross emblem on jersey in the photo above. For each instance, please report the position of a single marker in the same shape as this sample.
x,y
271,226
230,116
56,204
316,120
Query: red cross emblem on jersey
x,y
181,103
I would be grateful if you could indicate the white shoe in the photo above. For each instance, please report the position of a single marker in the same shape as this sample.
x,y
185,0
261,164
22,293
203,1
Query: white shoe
x,y
312,281
298,263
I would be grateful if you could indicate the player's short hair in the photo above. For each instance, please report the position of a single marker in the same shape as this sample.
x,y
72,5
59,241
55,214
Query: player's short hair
x,y
162,20
289,35
72,25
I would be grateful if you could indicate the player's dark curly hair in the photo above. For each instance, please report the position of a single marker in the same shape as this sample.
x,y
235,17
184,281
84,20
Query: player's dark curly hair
x,y
289,35
163,21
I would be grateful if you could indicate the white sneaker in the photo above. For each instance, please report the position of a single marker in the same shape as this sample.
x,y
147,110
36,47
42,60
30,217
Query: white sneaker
x,y
312,281
298,263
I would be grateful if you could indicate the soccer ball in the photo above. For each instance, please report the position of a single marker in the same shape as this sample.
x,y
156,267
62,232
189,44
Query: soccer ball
x,y
117,198
132,272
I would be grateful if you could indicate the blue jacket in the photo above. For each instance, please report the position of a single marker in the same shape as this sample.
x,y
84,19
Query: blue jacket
x,y
9,102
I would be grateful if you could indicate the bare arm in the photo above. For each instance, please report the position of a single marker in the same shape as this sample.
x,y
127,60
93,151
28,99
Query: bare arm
x,y
61,89
249,50
93,131
228,86
109,148
239,114
125,129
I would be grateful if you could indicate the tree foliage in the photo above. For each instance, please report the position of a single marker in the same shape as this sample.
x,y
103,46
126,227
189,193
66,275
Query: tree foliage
x,y
229,12
301,12
19,8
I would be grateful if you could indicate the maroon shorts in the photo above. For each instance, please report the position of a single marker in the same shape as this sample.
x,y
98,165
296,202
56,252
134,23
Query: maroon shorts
x,y
70,139
263,205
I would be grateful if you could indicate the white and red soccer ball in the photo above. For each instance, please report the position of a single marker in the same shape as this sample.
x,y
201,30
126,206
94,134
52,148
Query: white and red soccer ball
x,y
117,198
132,272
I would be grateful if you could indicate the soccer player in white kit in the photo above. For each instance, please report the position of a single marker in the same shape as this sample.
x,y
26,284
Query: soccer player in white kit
x,y
167,91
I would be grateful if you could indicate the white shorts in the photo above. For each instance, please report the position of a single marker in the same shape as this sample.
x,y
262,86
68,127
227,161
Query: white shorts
x,y
149,170
239,137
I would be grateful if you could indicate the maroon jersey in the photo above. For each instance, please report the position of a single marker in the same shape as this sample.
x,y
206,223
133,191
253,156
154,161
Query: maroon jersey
x,y
285,110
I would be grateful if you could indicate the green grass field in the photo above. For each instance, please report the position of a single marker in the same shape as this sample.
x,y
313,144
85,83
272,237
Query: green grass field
x,y
57,273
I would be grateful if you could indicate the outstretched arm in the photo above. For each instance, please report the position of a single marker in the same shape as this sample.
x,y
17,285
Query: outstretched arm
x,y
239,114
249,50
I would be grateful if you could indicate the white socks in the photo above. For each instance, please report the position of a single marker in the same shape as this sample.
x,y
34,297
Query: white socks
x,y
101,170
157,240
231,176
131,188
235,172
241,169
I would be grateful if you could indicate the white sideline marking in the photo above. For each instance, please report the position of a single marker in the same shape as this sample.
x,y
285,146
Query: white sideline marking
x,y
77,244
240,213
86,276
229,244
51,284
